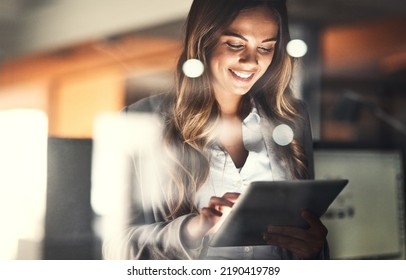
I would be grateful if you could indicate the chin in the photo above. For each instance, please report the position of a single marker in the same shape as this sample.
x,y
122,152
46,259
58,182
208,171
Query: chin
x,y
241,91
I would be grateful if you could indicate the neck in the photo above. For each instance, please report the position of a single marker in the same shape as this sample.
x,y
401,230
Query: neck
x,y
233,107
230,105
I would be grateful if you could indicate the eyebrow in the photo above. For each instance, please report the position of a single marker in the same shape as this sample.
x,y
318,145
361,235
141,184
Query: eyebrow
x,y
233,34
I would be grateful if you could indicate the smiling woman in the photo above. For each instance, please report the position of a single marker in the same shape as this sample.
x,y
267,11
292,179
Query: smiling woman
x,y
243,53
217,134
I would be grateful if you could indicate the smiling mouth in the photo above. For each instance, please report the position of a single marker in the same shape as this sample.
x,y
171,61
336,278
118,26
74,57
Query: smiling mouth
x,y
241,75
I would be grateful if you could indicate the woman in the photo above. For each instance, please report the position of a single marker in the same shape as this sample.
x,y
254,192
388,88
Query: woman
x,y
218,137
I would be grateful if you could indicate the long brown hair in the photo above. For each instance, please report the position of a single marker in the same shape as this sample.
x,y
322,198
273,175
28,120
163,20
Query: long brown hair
x,y
195,112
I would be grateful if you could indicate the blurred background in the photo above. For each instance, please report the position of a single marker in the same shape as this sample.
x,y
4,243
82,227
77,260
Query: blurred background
x,y
72,60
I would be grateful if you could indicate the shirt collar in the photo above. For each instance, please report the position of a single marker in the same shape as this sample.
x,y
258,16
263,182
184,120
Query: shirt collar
x,y
253,117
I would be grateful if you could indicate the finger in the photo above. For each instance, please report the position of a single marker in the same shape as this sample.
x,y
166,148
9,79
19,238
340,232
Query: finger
x,y
209,212
216,201
311,219
313,237
314,223
293,232
209,217
231,196
305,252
298,247
286,242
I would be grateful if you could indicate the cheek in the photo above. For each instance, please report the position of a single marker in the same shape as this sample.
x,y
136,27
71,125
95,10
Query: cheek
x,y
266,63
214,61
222,58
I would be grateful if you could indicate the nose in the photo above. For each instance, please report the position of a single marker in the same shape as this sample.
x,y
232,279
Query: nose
x,y
249,56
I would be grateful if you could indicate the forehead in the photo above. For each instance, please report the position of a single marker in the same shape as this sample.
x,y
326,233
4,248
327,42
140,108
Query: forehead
x,y
259,20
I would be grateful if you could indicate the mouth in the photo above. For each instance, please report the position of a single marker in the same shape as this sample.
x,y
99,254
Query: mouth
x,y
243,76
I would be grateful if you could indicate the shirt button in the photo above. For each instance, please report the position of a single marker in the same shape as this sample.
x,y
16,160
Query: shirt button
x,y
247,249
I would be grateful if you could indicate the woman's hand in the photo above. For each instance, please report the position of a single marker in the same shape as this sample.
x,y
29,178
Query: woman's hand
x,y
209,217
304,243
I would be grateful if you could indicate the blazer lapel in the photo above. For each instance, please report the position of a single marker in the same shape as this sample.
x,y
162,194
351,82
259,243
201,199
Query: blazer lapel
x,y
278,166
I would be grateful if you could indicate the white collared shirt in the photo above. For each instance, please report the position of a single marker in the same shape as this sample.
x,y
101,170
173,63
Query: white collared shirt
x,y
225,177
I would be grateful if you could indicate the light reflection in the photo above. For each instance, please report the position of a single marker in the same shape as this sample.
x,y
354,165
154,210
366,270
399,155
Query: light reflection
x,y
193,68
283,135
296,48
124,144
23,162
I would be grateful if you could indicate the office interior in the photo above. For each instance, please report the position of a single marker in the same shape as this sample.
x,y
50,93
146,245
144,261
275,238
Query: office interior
x,y
64,63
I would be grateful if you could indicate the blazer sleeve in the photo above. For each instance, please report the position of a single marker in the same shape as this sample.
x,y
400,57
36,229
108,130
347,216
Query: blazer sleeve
x,y
149,233
308,149
307,138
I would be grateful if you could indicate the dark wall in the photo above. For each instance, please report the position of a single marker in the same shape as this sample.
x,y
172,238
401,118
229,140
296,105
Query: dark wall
x,y
69,216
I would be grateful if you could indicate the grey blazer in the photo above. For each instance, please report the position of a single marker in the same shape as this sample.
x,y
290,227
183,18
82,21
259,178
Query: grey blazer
x,y
150,234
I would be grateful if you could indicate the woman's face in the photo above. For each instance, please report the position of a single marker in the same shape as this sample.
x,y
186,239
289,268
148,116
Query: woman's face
x,y
244,52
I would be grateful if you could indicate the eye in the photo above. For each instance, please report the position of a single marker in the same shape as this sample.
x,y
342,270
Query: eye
x,y
235,47
266,50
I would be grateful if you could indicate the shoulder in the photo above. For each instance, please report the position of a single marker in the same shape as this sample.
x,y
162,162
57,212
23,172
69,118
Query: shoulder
x,y
153,104
301,108
302,118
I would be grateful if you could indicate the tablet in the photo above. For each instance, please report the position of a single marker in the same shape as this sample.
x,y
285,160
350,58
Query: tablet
x,y
274,203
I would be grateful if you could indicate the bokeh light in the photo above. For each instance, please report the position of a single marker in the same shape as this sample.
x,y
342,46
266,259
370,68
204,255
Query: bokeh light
x,y
193,68
282,135
296,48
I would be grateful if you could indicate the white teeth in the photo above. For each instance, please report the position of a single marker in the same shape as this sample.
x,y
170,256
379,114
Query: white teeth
x,y
242,75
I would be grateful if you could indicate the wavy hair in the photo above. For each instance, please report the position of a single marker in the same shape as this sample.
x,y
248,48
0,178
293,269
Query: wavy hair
x,y
195,112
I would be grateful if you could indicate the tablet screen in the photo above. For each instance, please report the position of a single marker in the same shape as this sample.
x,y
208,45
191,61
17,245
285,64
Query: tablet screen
x,y
274,203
